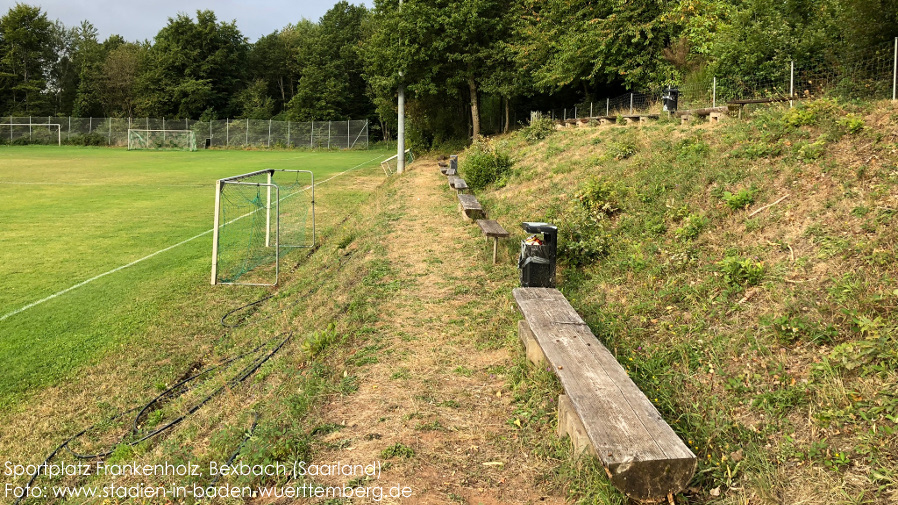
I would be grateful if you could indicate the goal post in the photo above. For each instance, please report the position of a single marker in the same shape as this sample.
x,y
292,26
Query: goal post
x,y
174,140
18,131
258,217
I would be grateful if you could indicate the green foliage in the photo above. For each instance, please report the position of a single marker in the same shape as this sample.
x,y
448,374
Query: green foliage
x,y
621,150
740,199
852,124
317,342
789,329
485,164
397,450
28,44
599,199
741,271
538,129
692,226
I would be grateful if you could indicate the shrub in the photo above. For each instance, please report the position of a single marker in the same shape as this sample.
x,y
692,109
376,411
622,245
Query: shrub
x,y
485,164
621,150
852,123
599,199
538,129
583,241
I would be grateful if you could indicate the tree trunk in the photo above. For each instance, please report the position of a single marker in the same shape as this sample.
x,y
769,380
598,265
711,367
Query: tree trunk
x,y
507,115
475,108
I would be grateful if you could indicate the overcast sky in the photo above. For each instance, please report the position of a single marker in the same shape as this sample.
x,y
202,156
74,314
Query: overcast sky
x,y
139,20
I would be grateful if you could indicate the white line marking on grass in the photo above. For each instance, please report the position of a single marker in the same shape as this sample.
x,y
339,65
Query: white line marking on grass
x,y
169,248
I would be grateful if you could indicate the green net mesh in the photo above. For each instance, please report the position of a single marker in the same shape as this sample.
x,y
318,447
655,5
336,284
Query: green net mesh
x,y
259,224
175,140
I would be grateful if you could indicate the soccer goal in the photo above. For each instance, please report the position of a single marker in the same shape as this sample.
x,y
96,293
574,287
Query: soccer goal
x,y
389,165
259,217
35,132
172,140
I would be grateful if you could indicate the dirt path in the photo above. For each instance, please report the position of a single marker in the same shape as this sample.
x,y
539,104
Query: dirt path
x,y
438,386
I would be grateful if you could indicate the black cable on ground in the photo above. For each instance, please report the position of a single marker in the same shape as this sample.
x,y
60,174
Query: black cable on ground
x,y
242,376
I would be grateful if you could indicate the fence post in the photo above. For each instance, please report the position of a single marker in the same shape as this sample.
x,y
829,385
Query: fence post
x,y
269,133
288,133
575,112
328,135
109,142
714,94
246,137
312,134
347,134
607,107
30,133
895,70
70,129
227,132
90,125
590,109
791,82
631,104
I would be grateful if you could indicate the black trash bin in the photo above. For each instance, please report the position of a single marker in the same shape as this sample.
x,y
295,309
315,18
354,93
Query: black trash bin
x,y
538,256
669,98
208,143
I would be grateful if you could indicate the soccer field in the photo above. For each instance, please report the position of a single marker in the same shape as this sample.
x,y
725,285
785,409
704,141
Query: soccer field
x,y
70,215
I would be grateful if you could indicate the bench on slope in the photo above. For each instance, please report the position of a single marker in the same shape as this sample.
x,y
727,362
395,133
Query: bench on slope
x,y
602,410
491,228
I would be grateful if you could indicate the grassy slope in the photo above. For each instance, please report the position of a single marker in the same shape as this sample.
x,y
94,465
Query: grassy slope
x,y
86,211
768,340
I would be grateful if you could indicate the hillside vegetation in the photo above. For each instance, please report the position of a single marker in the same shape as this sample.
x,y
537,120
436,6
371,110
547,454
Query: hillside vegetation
x,y
765,336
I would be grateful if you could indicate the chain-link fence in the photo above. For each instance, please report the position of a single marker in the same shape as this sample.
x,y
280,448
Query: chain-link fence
x,y
225,133
871,75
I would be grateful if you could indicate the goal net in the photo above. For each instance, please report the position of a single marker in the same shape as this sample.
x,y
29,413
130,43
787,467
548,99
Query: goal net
x,y
174,140
259,218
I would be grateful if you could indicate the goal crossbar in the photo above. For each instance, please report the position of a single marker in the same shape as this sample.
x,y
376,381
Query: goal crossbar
x,y
32,125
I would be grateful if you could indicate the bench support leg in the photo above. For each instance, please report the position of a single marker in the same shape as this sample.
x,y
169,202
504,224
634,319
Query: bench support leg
x,y
569,424
495,248
532,349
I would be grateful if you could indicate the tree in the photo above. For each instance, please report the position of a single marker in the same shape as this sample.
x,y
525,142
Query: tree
x,y
331,85
193,68
119,79
28,52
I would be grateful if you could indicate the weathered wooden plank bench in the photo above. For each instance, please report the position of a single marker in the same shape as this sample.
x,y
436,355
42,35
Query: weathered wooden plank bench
x,y
602,410
491,228
451,171
470,207
459,184
451,180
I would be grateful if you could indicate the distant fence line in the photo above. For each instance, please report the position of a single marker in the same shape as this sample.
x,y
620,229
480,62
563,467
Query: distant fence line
x,y
872,75
224,133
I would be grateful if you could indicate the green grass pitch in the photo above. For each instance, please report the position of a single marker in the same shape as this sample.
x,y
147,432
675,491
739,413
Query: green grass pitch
x,y
70,214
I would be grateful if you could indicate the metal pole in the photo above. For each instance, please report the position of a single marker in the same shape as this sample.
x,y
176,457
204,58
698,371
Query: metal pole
x,y
607,106
218,187
590,109
328,135
631,104
227,132
246,141
895,70
268,213
312,135
714,94
400,120
791,82
288,133
269,133
347,134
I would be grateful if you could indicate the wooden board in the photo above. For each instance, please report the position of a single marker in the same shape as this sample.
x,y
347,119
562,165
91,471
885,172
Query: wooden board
x,y
451,171
452,180
643,456
470,206
460,184
700,112
491,228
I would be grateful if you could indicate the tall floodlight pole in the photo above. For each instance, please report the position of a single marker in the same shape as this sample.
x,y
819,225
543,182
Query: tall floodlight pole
x,y
400,134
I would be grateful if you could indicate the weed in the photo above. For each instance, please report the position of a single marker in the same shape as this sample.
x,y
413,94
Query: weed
x,y
852,124
599,199
621,150
485,164
397,450
740,199
692,227
741,271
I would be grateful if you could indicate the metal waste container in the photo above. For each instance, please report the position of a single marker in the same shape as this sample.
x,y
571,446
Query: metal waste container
x,y
669,99
538,256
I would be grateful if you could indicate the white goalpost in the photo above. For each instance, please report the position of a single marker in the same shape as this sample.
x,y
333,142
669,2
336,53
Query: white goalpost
x,y
31,130
257,215
176,140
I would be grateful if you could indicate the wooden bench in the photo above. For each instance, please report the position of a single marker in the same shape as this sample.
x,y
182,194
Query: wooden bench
x,y
470,207
459,184
491,228
451,179
450,172
602,410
